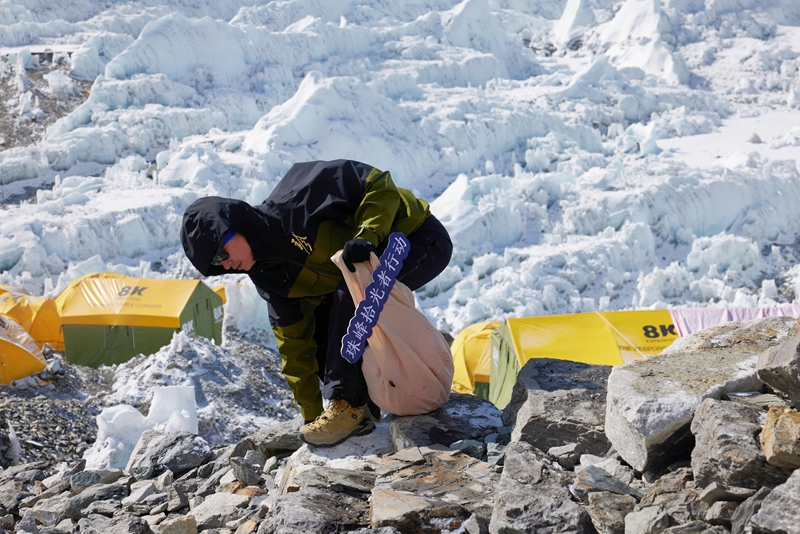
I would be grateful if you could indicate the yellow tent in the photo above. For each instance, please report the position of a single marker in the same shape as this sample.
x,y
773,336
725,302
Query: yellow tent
x,y
220,290
38,316
19,354
108,318
472,356
600,338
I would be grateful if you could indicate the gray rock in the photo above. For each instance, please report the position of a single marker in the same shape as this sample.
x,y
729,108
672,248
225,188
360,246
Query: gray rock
x,y
27,523
335,478
276,439
176,499
567,455
721,513
244,472
107,507
382,530
649,520
693,527
255,458
475,525
56,489
123,524
24,472
532,497
651,402
164,480
449,482
9,444
677,493
779,367
139,494
470,447
82,480
608,510
461,417
557,403
495,453
158,451
209,486
718,492
593,478
77,504
409,512
747,509
49,512
219,508
778,512
316,510
11,499
727,449
178,525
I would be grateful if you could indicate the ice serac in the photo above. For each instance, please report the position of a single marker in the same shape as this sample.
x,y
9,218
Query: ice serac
x,y
576,19
359,120
178,47
633,39
651,402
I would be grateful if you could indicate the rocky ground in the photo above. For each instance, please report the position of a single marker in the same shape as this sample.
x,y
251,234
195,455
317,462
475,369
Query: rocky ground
x,y
707,449
57,422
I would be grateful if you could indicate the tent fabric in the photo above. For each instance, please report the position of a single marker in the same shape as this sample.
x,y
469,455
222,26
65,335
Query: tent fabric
x,y
128,301
109,318
38,316
692,320
472,356
599,338
20,356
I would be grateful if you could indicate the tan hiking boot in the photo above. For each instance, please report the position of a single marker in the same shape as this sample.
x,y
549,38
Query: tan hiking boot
x,y
337,423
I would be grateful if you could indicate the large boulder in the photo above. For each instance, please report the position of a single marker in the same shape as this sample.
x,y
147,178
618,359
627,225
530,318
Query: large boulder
x,y
651,401
558,403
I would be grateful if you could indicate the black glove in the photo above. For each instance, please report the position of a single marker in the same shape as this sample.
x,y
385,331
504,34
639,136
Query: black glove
x,y
356,251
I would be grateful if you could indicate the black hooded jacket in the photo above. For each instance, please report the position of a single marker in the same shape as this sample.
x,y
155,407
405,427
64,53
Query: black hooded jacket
x,y
312,212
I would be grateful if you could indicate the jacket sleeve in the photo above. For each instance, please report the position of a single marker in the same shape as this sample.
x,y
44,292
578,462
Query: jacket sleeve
x,y
293,322
379,205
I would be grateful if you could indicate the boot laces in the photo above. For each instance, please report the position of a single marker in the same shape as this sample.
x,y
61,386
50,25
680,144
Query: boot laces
x,y
337,407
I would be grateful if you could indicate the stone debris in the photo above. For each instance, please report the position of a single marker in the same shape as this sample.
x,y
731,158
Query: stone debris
x,y
727,467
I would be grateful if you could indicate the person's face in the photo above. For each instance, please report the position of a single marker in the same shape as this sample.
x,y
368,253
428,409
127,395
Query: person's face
x,y
240,255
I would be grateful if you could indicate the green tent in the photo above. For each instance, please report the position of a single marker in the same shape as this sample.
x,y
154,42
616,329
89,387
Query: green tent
x,y
109,319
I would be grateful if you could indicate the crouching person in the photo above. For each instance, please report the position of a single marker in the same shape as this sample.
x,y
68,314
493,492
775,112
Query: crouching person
x,y
285,244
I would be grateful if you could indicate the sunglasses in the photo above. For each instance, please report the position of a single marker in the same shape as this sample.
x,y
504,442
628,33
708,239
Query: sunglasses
x,y
219,258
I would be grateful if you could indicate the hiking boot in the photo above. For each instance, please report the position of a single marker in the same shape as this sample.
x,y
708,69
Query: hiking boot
x,y
337,423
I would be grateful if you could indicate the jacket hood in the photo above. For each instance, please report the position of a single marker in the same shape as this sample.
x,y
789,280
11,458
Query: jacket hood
x,y
204,225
